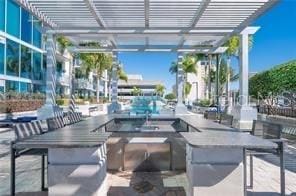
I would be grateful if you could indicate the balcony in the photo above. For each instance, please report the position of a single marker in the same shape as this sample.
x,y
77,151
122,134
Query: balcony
x,y
63,79
81,83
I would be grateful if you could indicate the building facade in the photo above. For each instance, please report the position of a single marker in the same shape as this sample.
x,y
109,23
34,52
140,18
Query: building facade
x,y
146,87
22,59
198,82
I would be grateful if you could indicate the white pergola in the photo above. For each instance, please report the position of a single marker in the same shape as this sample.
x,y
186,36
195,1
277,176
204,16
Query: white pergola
x,y
181,26
148,25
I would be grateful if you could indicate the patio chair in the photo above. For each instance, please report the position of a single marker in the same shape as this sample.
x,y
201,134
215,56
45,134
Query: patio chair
x,y
272,132
24,131
226,119
211,115
55,123
74,117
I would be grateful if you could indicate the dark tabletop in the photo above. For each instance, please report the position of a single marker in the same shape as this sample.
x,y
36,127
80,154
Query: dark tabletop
x,y
215,135
83,134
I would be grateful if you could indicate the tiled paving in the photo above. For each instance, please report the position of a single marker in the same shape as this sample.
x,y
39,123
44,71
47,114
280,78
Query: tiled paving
x,y
266,176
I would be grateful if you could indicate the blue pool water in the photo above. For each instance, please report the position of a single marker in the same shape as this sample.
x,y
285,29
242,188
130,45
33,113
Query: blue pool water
x,y
142,105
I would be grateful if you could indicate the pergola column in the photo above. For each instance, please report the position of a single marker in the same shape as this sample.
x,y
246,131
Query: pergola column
x,y
114,85
243,113
180,80
106,84
50,108
180,107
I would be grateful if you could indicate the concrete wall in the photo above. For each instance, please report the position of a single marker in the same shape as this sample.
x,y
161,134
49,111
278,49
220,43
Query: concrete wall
x,y
77,171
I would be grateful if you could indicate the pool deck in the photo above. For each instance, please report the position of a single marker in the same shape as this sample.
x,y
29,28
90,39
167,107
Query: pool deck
x,y
266,174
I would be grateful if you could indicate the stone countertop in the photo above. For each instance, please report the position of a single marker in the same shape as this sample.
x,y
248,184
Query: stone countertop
x,y
202,124
215,135
224,139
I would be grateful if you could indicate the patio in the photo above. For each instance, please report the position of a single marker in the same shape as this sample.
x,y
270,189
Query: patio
x,y
266,175
214,155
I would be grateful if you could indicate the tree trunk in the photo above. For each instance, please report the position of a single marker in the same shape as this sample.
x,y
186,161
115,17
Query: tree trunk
x,y
209,78
98,90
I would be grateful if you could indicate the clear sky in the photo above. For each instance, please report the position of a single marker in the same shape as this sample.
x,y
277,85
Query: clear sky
x,y
274,43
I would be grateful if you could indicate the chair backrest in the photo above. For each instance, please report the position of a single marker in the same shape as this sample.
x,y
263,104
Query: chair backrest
x,y
266,130
226,119
25,130
55,123
211,115
74,117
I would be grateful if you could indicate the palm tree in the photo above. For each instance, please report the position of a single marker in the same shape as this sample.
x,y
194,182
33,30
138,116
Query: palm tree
x,y
97,63
189,66
233,45
136,91
159,89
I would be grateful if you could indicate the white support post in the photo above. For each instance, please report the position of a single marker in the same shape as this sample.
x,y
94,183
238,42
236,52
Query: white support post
x,y
114,85
50,108
180,107
242,112
106,84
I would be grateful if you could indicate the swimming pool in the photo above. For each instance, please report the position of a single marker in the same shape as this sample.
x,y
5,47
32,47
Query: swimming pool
x,y
144,104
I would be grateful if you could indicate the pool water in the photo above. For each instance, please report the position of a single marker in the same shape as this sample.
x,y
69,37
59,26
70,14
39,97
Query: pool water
x,y
143,105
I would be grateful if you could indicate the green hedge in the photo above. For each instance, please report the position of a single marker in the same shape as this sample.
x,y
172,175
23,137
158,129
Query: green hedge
x,y
276,80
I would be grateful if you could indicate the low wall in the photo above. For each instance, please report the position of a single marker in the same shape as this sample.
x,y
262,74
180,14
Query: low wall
x,y
289,124
15,115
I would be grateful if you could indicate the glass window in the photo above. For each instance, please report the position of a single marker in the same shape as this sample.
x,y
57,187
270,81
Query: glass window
x,y
11,85
1,58
25,87
37,88
26,62
37,73
12,58
37,33
2,14
26,26
13,16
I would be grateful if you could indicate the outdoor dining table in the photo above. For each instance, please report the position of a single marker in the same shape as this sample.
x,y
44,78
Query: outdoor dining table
x,y
215,156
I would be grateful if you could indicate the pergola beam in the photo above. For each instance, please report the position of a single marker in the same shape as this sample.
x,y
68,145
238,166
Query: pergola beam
x,y
147,10
95,13
244,24
200,11
142,31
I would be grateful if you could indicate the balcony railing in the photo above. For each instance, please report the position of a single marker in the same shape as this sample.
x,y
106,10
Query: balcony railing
x,y
63,79
81,83
272,110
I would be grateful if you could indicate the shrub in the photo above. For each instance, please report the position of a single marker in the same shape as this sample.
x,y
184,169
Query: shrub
x,y
170,96
276,80
60,102
202,103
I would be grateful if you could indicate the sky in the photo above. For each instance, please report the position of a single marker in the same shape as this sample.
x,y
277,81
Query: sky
x,y
274,43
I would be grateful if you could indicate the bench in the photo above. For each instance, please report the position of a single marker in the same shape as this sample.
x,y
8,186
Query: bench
x,y
93,109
